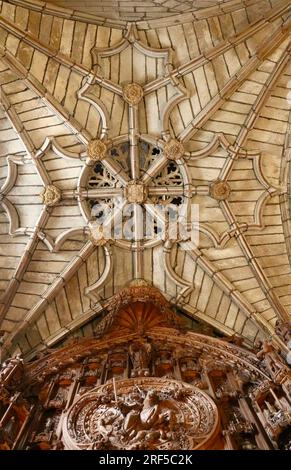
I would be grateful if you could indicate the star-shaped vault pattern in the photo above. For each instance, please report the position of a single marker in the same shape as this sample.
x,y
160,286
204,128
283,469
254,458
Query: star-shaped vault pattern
x,y
133,123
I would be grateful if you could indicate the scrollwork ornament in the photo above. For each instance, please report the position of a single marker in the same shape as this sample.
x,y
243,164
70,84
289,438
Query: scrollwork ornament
x,y
142,413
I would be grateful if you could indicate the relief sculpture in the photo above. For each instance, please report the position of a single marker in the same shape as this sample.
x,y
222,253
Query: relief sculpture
x,y
146,383
146,413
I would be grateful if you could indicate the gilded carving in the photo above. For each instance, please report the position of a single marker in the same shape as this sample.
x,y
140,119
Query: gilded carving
x,y
220,190
174,150
136,192
132,93
51,195
96,234
97,150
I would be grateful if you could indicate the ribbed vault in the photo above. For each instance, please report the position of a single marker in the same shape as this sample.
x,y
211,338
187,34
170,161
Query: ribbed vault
x,y
138,10
217,81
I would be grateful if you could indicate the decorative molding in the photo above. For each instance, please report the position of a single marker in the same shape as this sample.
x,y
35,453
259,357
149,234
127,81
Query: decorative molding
x,y
93,290
281,34
33,314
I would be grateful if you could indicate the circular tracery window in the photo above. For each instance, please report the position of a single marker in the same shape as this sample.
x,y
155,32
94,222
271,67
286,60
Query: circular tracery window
x,y
128,209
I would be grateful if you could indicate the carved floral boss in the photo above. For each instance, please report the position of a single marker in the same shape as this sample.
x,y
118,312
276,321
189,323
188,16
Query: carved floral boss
x,y
163,177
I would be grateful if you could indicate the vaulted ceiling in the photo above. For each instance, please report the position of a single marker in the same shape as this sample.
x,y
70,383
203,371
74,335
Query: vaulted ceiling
x,y
131,10
217,79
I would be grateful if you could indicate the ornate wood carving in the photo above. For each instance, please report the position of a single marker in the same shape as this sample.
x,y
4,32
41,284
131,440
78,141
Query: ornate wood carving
x,y
143,413
140,307
144,382
283,330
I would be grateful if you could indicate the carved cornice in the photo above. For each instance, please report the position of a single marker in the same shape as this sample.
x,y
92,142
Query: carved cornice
x,y
224,352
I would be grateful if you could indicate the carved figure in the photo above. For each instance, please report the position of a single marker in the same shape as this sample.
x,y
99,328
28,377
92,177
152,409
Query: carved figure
x,y
273,361
283,329
149,413
140,355
8,367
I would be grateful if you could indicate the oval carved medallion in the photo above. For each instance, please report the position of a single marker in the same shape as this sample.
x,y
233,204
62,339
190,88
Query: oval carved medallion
x,y
141,413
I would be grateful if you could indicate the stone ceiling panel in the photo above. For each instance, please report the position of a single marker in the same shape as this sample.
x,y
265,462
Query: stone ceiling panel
x,y
222,92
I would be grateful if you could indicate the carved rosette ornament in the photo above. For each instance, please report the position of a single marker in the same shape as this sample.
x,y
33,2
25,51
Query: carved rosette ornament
x,y
142,413
174,150
132,93
96,234
96,150
136,192
51,195
220,190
